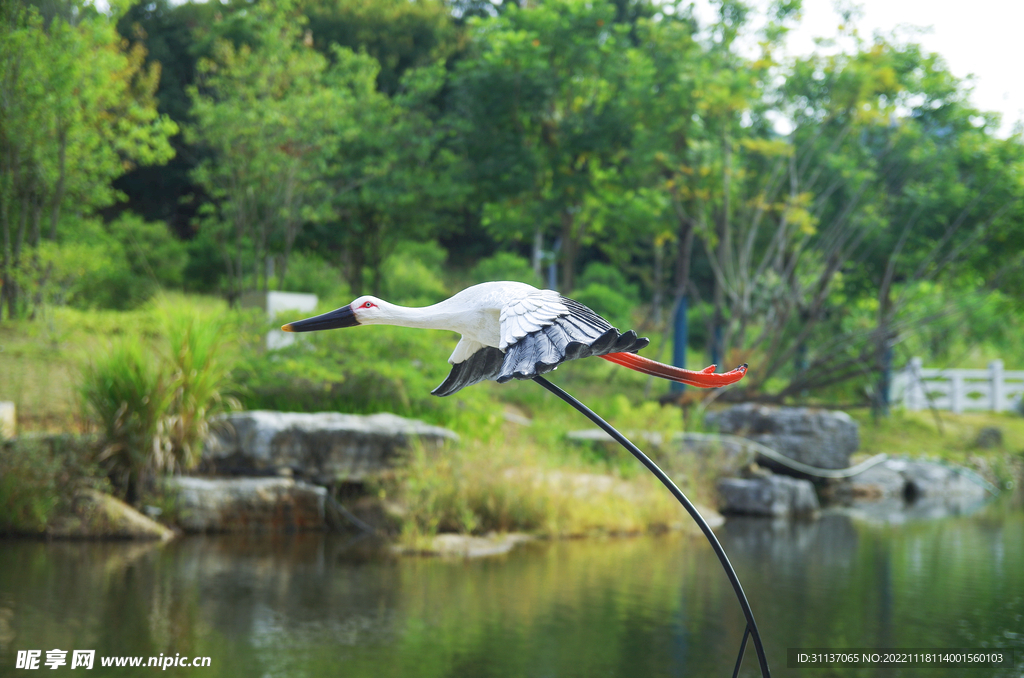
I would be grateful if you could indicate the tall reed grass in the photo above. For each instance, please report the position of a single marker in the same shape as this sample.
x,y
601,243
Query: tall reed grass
x,y
125,392
153,404
199,369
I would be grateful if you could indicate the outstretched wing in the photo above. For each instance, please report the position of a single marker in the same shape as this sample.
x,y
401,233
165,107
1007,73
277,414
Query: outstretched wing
x,y
485,363
539,345
538,332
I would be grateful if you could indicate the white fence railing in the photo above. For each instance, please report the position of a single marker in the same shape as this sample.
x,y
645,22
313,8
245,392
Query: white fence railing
x,y
993,389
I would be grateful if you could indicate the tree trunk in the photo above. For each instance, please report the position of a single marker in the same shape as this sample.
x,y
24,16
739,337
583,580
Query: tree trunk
x,y
538,252
239,249
58,193
883,351
5,222
12,289
722,254
569,246
354,271
658,298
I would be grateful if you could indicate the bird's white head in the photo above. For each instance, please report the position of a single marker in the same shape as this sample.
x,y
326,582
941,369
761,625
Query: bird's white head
x,y
370,310
363,311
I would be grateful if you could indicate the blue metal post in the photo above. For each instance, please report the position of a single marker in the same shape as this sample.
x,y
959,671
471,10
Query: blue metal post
x,y
679,341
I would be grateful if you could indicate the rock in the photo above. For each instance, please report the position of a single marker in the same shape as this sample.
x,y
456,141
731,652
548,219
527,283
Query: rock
x,y
903,481
817,437
883,481
769,496
713,518
96,515
730,454
600,437
514,415
8,420
247,504
324,448
929,479
717,455
467,546
989,437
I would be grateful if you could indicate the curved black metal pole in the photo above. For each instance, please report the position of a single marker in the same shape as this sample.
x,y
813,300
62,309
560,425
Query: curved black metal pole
x,y
690,508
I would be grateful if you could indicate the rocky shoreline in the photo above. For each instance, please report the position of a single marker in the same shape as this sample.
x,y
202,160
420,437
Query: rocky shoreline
x,y
273,473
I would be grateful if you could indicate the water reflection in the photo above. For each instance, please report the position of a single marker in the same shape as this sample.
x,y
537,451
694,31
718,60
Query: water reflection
x,y
317,605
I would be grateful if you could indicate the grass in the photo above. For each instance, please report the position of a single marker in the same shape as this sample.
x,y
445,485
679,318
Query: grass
x,y
516,484
942,434
42,360
947,436
503,477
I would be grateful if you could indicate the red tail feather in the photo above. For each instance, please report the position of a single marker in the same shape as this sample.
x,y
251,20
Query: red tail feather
x,y
706,378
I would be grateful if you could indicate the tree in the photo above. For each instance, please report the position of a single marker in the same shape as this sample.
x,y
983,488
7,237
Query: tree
x,y
394,178
398,34
76,111
545,93
885,183
270,115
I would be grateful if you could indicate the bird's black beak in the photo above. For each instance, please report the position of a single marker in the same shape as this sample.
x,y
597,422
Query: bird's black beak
x,y
342,317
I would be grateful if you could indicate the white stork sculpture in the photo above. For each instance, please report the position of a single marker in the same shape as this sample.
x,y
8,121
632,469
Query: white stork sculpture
x,y
511,330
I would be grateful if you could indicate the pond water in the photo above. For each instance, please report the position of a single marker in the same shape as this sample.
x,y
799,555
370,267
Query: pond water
x,y
316,605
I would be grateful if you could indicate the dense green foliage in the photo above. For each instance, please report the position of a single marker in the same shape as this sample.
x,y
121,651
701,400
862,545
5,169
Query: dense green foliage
x,y
826,217
39,477
153,414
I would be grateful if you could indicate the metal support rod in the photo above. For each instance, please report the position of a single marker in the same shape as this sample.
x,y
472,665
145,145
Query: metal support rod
x,y
690,508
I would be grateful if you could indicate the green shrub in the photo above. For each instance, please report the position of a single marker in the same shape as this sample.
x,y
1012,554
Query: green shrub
x,y
28,488
39,476
205,270
72,269
607,302
139,258
505,266
124,391
153,413
152,250
605,289
698,317
310,274
363,370
414,275
600,273
478,488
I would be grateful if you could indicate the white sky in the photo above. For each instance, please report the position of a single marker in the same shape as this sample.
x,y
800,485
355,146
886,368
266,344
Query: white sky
x,y
984,38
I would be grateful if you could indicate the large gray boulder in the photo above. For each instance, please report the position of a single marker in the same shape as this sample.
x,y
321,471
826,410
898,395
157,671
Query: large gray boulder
x,y
911,483
324,447
770,495
822,438
246,504
878,483
926,479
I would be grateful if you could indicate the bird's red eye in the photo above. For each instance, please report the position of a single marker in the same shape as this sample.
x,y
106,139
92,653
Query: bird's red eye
x,y
367,305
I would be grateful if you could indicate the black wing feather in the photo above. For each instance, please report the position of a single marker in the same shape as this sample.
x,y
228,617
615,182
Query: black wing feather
x,y
483,365
580,334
